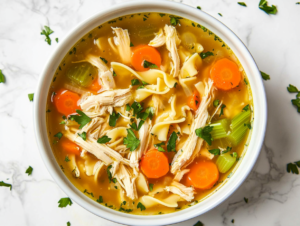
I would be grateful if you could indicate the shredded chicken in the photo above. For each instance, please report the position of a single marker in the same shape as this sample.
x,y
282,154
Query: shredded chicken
x,y
184,192
180,174
122,41
93,128
159,39
190,148
172,41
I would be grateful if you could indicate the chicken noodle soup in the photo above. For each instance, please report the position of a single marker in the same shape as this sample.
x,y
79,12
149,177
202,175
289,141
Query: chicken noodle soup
x,y
149,113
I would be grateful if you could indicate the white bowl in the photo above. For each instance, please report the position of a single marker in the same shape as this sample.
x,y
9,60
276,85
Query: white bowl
x,y
259,99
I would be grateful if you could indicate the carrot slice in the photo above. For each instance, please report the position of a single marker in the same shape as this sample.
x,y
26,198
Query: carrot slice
x,y
225,74
70,147
194,101
66,102
95,86
142,53
203,175
154,164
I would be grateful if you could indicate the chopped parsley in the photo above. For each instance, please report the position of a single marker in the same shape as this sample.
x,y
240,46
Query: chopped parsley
x,y
30,96
109,173
216,103
222,108
207,54
113,119
234,154
162,15
128,108
265,76
47,32
171,145
292,89
220,14
67,159
148,64
245,80
248,125
114,74
135,82
199,223
68,223
2,77
215,151
103,59
63,202
3,184
82,119
263,5
293,167
141,206
204,133
246,200
232,221
100,199
82,135
175,84
131,141
131,45
89,193
198,7
103,140
56,40
174,20
135,127
29,170
58,135
228,149
246,108
159,148
242,4
151,187
137,108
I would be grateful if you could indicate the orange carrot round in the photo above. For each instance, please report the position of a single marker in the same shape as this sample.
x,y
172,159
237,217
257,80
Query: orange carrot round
x,y
225,74
66,102
142,53
194,101
154,164
70,147
95,86
203,175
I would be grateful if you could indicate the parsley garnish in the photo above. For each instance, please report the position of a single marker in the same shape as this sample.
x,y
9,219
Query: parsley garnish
x,y
234,154
174,20
128,108
82,135
89,193
63,202
67,159
135,127
222,108
292,89
56,40
292,167
162,15
148,64
114,74
151,187
172,142
68,223
220,14
131,45
131,141
207,54
216,103
232,221
246,200
246,108
2,77
263,5
47,32
58,135
248,125
245,80
242,4
175,84
204,133
215,151
109,173
137,108
199,223
113,119
265,76
135,82
228,149
30,96
82,119
198,7
100,199
114,180
29,170
2,183
103,140
141,206
103,59
159,148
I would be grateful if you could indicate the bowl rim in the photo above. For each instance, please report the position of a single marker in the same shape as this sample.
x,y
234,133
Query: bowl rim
x,y
160,6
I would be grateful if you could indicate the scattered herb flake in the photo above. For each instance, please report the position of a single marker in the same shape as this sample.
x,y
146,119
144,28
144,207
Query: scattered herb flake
x,y
131,141
174,20
292,89
263,5
199,223
159,148
171,145
245,80
82,119
141,206
242,4
162,15
63,202
151,187
30,96
3,184
100,199
246,108
67,159
204,133
216,103
148,64
103,59
220,14
2,77
222,109
103,140
198,7
131,45
47,32
292,167
113,119
207,54
82,135
265,76
135,82
29,170
58,135
246,200
56,40
215,151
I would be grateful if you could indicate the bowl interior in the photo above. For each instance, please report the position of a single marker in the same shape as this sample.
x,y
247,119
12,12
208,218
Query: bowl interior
x,y
259,100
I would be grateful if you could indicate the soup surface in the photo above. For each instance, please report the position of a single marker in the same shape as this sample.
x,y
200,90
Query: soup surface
x,y
149,113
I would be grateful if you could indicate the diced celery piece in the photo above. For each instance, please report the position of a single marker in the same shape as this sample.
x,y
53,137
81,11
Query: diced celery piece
x,y
241,118
82,74
220,129
225,162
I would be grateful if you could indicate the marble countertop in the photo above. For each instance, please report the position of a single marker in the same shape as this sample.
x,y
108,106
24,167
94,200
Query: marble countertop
x,y
273,40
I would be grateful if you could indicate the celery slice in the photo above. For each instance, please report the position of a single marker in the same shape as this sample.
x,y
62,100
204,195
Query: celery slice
x,y
241,118
220,129
82,74
225,162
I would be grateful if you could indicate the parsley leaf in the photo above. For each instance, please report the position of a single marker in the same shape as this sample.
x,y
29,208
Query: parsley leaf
x,y
248,125
131,45
242,4
246,108
265,76
82,119
199,223
128,108
162,15
215,151
159,148
2,77
67,159
149,112
296,102
174,20
246,200
47,32
198,7
292,167
216,103
103,140
292,89
68,223
2,183
109,173
245,80
103,59
148,64
204,133
172,142
135,82
58,135
29,170
131,141
135,127
228,149
82,135
100,199
222,108
234,154
151,187
30,96
113,119
207,54
263,5
220,14
56,40
137,108
63,202
141,206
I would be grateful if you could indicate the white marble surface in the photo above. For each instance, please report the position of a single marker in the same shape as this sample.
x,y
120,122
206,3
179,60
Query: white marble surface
x,y
273,194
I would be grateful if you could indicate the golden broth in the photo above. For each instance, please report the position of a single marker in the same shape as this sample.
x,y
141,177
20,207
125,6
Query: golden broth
x,y
141,28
